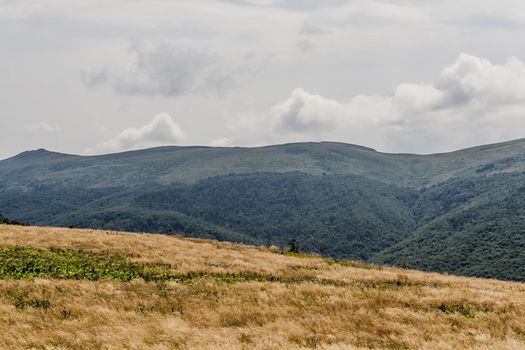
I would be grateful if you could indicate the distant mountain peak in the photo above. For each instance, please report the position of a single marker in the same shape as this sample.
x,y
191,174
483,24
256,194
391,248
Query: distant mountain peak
x,y
36,155
31,153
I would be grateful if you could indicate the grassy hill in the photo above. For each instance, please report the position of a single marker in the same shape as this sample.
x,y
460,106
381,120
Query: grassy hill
x,y
460,212
85,289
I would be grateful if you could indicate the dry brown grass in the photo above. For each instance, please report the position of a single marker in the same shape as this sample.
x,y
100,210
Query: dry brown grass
x,y
329,306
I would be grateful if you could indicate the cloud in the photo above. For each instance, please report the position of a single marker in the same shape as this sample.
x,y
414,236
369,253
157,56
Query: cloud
x,y
305,46
472,101
472,78
93,77
305,112
224,142
160,131
307,32
165,69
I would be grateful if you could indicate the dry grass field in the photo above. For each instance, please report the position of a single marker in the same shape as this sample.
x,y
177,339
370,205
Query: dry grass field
x,y
212,295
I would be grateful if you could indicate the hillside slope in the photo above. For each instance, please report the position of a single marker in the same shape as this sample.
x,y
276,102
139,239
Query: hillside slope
x,y
83,289
459,212
7,221
482,236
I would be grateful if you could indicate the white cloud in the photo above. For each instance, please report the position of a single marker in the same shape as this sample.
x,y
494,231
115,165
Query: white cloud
x,y
160,131
305,112
224,142
473,78
166,69
473,101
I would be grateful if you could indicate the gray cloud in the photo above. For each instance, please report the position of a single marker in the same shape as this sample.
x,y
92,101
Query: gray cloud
x,y
160,131
94,77
166,70
305,45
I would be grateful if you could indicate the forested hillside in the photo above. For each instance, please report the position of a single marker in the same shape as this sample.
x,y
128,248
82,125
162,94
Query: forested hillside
x,y
459,212
481,232
7,221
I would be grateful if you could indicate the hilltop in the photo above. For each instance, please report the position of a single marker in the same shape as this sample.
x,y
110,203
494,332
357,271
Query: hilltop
x,y
85,289
188,165
461,212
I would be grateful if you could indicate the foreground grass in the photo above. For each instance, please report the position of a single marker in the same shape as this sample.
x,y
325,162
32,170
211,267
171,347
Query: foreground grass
x,y
75,289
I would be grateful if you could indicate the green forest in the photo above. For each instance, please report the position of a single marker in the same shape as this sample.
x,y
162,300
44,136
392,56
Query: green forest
x,y
462,213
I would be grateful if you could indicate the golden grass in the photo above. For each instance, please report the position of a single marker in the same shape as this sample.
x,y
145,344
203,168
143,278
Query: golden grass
x,y
329,306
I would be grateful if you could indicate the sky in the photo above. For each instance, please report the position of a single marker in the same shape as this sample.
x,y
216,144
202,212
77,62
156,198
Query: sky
x,y
102,76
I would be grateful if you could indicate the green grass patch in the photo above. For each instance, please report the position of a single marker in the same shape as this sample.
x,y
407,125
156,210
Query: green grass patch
x,y
26,263
22,262
299,255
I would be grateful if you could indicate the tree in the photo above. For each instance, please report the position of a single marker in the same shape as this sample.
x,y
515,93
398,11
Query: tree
x,y
294,246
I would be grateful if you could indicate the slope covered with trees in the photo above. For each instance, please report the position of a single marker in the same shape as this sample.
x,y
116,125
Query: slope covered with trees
x,y
482,235
460,212
7,221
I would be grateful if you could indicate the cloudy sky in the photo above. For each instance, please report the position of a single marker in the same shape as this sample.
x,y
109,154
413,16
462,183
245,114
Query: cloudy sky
x,y
99,76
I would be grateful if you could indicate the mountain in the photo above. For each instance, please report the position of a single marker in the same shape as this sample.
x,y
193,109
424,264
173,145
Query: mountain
x,y
460,212
85,289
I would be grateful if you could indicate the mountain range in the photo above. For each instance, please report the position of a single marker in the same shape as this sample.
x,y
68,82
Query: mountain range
x,y
461,212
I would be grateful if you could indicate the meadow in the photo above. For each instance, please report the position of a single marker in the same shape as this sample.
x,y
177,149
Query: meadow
x,y
85,289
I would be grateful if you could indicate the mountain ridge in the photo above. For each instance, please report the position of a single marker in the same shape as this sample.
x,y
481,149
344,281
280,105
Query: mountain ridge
x,y
479,147
336,199
360,155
